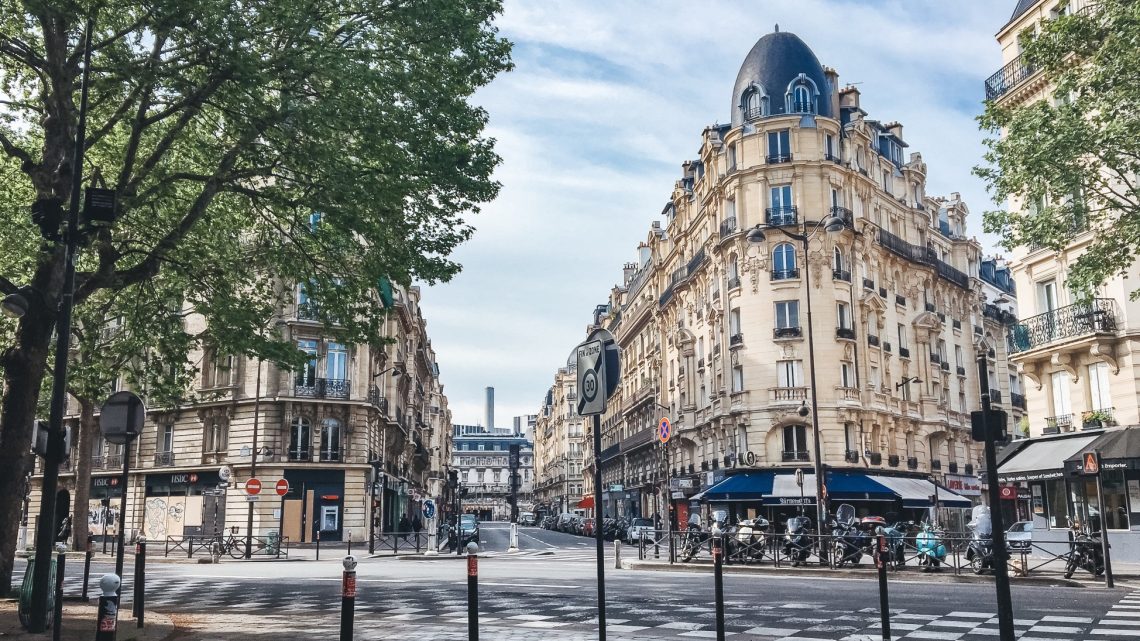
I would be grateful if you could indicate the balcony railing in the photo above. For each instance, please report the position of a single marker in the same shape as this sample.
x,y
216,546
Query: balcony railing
x,y
841,274
308,311
904,352
734,282
299,455
785,274
1070,321
735,339
97,462
788,332
1017,400
1061,422
163,459
924,256
778,158
945,366
912,463
796,455
843,214
995,395
961,371
868,284
330,456
1007,78
323,388
728,227
113,461
935,358
1096,419
873,340
788,393
845,332
832,157
780,216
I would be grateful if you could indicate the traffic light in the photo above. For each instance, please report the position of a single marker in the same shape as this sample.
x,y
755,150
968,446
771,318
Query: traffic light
x,y
997,425
463,493
453,479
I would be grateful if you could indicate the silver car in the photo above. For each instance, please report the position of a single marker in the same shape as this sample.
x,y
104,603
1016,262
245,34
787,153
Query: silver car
x,y
639,529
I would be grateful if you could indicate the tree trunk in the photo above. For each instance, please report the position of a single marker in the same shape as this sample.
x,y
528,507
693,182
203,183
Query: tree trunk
x,y
88,432
24,367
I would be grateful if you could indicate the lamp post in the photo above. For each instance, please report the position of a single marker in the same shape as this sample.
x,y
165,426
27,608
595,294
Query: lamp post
x,y
832,225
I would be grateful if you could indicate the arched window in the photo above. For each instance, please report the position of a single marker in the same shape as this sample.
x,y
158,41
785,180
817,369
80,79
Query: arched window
x,y
838,263
330,439
755,103
802,102
733,270
299,439
795,443
784,262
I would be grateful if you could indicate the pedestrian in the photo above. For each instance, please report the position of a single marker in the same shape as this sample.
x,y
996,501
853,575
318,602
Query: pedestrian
x,y
64,530
417,524
404,526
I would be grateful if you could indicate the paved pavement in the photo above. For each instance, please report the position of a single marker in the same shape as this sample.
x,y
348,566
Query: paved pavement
x,y
548,591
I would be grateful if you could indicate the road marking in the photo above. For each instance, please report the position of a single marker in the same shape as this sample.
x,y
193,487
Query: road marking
x,y
527,585
536,539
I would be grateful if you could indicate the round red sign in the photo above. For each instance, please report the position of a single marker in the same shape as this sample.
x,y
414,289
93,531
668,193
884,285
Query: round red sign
x,y
253,487
282,487
1008,492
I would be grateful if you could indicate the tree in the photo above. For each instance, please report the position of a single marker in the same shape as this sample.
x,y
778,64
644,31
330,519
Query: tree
x,y
1073,160
224,126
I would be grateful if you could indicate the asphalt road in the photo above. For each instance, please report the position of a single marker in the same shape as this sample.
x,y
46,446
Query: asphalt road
x,y
548,591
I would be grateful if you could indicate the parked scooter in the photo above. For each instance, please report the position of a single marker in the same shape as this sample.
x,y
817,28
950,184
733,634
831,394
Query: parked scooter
x,y
797,540
747,540
1084,551
931,551
849,541
896,534
980,553
693,539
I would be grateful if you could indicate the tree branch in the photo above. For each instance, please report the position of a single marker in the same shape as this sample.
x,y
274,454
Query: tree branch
x,y
18,153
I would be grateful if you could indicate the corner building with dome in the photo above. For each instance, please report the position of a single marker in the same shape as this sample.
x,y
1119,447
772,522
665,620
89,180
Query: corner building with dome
x,y
713,318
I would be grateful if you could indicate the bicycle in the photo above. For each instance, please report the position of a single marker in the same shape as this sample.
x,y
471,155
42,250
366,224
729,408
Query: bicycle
x,y
232,545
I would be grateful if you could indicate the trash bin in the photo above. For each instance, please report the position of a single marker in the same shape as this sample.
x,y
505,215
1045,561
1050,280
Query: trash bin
x,y
25,606
272,542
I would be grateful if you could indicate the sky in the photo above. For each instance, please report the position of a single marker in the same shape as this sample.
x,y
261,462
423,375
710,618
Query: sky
x,y
607,99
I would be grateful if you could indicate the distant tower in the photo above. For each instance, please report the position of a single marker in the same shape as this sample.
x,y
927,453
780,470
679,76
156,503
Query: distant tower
x,y
489,415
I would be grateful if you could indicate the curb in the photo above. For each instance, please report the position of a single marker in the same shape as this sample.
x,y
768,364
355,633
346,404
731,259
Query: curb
x,y
900,577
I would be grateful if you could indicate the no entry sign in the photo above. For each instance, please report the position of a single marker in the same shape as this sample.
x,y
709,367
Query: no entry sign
x,y
282,487
253,487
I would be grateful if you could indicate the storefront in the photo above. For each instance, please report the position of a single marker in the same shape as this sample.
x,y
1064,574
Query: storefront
x,y
315,503
182,504
103,505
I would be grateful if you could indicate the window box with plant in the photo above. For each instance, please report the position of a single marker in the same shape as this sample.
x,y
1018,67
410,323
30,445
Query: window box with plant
x,y
1097,418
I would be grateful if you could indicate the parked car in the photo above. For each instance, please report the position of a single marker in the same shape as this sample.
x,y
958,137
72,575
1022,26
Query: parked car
x,y
564,522
526,518
468,529
638,529
1019,536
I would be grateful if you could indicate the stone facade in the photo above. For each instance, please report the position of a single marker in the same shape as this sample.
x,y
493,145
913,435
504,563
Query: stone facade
x,y
482,457
559,447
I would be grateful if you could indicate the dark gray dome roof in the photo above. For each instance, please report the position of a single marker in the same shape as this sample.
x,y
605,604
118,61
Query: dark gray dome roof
x,y
773,63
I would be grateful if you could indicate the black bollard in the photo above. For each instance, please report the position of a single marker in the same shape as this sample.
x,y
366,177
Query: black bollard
x,y
347,598
87,563
881,564
140,581
718,581
350,543
108,608
472,592
318,545
57,614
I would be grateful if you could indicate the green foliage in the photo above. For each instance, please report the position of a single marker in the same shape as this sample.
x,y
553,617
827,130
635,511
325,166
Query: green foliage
x,y
1074,160
223,125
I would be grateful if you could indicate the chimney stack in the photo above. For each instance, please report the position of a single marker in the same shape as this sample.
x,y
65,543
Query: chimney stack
x,y
489,410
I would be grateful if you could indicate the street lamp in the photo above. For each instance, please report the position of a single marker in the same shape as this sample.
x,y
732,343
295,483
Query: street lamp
x,y
397,372
831,225
907,380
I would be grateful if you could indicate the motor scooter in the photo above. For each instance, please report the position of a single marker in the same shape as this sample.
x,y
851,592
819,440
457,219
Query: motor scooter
x,y
931,551
747,540
1084,551
797,540
896,534
980,552
693,539
849,541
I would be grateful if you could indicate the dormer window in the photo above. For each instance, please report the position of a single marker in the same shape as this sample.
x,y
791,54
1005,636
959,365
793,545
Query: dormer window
x,y
802,96
754,103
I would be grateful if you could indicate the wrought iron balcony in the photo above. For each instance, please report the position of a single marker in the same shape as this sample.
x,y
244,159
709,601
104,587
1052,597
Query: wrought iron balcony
x,y
956,324
163,459
1007,78
843,214
961,371
1061,422
935,358
841,274
1071,321
869,284
330,456
872,340
796,455
995,395
728,227
97,462
1017,400
785,274
924,256
788,332
832,157
734,282
912,463
322,388
845,332
945,366
308,311
778,158
113,461
780,216
1096,419
936,464
893,460
904,352
929,307
735,340
299,454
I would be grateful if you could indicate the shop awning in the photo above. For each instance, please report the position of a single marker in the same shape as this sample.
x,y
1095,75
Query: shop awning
x,y
587,503
747,486
1042,459
1119,450
917,493
856,486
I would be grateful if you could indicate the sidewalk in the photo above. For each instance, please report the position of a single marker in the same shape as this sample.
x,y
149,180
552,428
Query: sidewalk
x,y
79,624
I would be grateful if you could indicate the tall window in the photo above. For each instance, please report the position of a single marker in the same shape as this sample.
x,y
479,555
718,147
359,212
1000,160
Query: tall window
x,y
734,321
738,378
829,147
221,375
1061,405
795,443
790,373
784,262
755,104
910,453
876,382
165,438
902,336
779,146
846,374
850,437
837,260
904,391
781,201
300,439
787,314
336,362
843,316
216,435
330,439
941,350
1100,395
802,101
307,375
958,355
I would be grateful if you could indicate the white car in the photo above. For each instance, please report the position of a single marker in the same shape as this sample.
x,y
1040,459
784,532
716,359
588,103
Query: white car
x,y
639,529
526,518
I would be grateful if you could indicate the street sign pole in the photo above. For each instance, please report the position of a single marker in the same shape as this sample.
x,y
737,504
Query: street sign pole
x,y
1094,458
1001,554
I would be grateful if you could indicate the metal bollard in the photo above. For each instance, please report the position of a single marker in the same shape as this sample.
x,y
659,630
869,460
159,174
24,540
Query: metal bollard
x,y
350,543
108,608
57,614
87,563
347,598
656,545
641,548
617,554
718,581
881,563
140,581
472,591
318,545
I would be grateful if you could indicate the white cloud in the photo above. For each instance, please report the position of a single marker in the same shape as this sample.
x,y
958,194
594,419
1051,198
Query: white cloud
x,y
608,99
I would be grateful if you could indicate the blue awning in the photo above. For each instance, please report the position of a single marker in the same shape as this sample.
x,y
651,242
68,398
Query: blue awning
x,y
856,486
747,486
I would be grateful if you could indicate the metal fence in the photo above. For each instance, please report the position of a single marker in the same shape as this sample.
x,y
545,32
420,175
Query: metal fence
x,y
229,544
397,542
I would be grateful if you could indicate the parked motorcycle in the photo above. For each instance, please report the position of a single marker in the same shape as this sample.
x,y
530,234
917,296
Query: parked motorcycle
x,y
980,553
896,534
1085,551
693,539
931,551
747,540
849,541
797,540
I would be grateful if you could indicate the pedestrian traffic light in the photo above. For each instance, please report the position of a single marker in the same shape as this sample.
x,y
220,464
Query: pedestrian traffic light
x,y
997,425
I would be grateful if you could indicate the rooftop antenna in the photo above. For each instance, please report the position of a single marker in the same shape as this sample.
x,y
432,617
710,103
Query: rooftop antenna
x,y
777,27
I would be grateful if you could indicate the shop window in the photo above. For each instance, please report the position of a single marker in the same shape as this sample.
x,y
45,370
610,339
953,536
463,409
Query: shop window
x,y
1115,500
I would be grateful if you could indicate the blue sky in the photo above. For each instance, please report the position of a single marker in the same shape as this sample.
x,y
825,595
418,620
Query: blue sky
x,y
609,98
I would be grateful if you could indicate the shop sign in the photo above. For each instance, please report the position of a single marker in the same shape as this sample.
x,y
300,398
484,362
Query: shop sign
x,y
964,485
786,500
104,481
681,484
678,495
712,478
